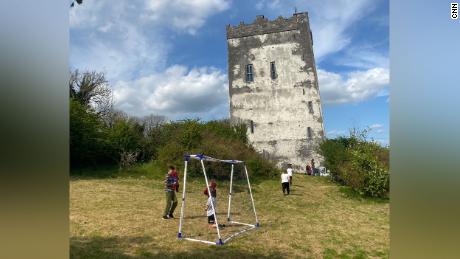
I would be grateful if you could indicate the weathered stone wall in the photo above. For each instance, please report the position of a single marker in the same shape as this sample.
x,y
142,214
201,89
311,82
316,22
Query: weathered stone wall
x,y
278,107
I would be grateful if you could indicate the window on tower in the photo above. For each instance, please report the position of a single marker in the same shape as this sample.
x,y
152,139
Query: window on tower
x,y
310,106
252,126
311,37
309,133
272,70
249,74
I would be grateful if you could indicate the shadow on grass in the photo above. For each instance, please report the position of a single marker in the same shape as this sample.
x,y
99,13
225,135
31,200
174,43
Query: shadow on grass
x,y
94,172
356,253
203,216
295,194
116,247
105,247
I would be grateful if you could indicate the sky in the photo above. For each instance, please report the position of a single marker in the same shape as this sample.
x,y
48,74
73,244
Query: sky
x,y
169,57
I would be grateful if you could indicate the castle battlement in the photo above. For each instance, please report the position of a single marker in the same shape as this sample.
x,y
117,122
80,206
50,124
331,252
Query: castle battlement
x,y
262,25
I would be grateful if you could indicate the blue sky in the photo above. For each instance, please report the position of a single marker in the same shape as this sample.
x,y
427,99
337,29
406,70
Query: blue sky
x,y
169,57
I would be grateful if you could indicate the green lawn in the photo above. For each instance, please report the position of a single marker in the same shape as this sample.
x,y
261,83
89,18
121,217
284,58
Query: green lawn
x,y
121,218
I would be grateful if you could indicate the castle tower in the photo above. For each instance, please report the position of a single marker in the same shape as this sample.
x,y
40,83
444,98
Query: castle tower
x,y
273,87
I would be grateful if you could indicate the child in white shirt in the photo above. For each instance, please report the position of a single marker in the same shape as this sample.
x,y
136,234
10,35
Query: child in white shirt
x,y
289,172
211,203
210,211
285,182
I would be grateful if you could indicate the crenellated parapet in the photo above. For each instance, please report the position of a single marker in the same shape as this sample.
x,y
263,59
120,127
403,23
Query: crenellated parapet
x,y
263,25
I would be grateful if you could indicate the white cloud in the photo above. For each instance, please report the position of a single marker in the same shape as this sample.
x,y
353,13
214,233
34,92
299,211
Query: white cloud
x,y
355,87
330,20
107,36
85,15
175,91
184,15
129,41
363,57
123,54
260,5
335,133
271,4
378,128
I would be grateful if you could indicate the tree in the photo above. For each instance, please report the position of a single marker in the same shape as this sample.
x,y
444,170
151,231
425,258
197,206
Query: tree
x,y
92,91
126,138
150,122
88,145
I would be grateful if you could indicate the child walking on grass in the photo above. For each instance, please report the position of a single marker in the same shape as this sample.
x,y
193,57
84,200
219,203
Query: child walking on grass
x,y
171,187
289,172
285,182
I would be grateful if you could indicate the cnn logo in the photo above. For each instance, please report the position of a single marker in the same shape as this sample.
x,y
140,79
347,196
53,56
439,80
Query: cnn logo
x,y
454,11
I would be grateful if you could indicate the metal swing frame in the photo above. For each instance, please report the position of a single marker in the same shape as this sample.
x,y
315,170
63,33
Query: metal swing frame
x,y
220,240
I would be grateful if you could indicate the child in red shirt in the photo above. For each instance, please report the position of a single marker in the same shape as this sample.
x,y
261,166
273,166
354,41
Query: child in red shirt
x,y
174,174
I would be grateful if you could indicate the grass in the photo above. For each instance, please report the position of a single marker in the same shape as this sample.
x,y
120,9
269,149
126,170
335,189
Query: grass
x,y
120,217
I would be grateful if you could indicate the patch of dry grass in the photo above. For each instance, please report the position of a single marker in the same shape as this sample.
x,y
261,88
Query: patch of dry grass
x,y
121,218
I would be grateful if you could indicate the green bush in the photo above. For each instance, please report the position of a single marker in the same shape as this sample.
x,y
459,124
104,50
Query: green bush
x,y
262,168
217,139
356,162
377,183
125,137
171,153
335,153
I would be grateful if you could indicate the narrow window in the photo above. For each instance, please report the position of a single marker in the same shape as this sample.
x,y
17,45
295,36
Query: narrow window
x,y
252,126
249,75
303,91
311,36
309,133
310,107
273,70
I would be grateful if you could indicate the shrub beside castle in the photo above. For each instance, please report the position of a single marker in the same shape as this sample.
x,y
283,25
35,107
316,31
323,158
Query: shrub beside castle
x,y
359,163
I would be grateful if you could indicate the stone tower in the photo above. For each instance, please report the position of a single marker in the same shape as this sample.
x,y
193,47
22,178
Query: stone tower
x,y
273,87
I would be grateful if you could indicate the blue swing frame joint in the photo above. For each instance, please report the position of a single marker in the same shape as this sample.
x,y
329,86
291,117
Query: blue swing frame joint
x,y
219,243
179,235
257,225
